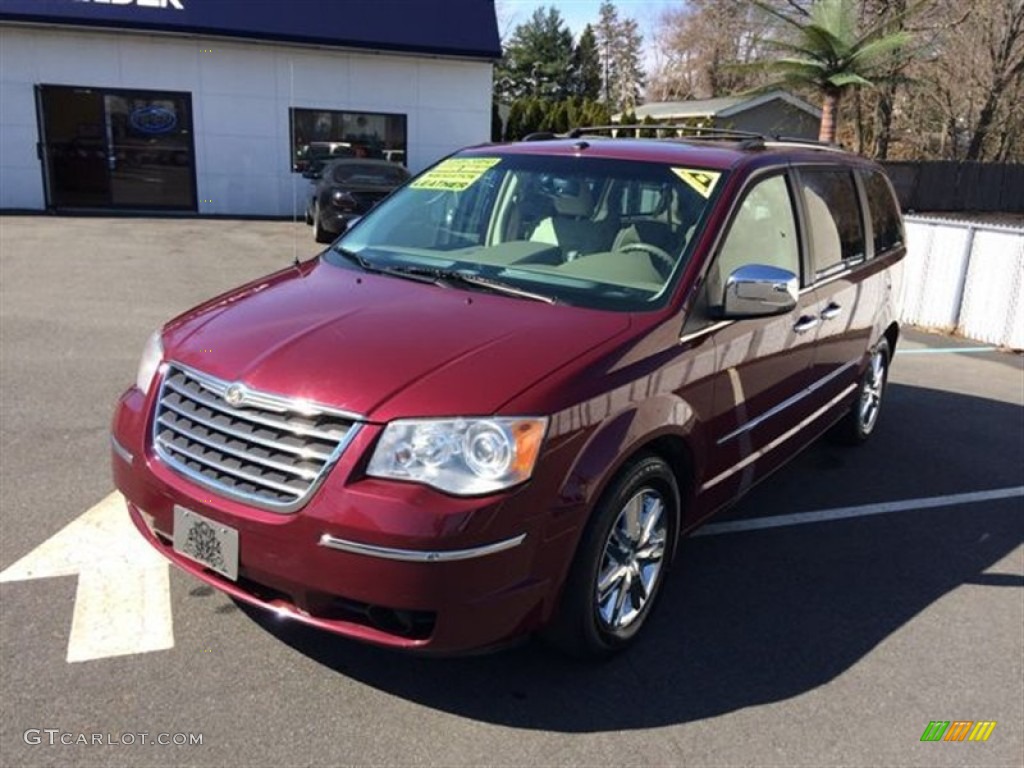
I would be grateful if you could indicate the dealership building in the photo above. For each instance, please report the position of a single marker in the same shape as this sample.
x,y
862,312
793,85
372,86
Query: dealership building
x,y
213,106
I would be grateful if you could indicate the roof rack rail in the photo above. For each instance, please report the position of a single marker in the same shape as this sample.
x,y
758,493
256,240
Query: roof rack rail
x,y
678,131
794,141
746,139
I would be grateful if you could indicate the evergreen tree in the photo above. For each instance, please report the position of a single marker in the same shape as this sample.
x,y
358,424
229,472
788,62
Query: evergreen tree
x,y
514,124
534,116
619,48
586,66
538,59
496,127
607,36
629,70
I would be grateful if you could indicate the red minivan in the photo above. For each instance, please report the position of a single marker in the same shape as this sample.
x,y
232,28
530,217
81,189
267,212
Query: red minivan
x,y
495,404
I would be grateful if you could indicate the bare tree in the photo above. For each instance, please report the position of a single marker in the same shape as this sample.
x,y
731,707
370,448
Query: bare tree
x,y
698,46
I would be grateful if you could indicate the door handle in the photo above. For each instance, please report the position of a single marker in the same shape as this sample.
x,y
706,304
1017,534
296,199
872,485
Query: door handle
x,y
831,311
805,324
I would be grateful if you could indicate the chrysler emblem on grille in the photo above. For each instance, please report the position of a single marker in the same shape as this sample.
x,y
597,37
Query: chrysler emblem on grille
x,y
235,394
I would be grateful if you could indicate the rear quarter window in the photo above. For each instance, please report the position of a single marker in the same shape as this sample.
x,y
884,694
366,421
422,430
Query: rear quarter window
x,y
836,230
886,224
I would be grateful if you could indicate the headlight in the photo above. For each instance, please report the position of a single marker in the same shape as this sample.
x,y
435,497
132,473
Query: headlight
x,y
152,356
465,457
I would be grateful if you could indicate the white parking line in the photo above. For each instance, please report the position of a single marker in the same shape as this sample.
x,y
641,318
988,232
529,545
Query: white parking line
x,y
945,350
864,510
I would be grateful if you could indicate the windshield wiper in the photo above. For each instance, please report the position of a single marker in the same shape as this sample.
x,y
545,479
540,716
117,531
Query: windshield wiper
x,y
356,259
368,266
439,275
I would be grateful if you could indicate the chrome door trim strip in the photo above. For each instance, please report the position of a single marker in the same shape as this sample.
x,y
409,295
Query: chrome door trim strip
x,y
705,331
779,440
419,555
791,401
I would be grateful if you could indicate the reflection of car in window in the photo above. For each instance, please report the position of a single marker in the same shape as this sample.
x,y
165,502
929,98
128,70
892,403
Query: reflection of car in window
x,y
313,155
496,402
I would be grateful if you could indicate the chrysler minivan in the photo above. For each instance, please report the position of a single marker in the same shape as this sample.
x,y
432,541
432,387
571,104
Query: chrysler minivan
x,y
495,404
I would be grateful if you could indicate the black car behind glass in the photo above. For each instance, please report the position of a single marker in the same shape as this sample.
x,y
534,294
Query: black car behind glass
x,y
346,189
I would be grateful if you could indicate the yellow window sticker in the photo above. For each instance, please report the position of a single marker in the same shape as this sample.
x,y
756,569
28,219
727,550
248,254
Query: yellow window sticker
x,y
702,182
455,174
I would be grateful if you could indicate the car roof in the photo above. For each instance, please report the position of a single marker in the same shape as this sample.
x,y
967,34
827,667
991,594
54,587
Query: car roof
x,y
700,153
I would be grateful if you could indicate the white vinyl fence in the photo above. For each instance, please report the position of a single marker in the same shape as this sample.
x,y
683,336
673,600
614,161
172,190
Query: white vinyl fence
x,y
965,277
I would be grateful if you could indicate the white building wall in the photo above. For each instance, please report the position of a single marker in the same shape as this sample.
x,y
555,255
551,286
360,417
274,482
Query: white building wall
x,y
241,94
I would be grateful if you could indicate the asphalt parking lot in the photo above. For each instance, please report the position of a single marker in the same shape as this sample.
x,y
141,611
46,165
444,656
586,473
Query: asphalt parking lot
x,y
890,596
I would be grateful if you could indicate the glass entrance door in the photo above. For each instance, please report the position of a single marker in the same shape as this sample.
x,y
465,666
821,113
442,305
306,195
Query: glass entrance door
x,y
105,148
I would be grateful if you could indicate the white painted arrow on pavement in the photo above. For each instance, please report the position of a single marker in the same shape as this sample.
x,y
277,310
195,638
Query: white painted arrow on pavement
x,y
123,602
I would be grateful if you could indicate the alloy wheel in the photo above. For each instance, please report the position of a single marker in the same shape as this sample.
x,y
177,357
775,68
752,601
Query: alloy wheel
x,y
871,392
633,560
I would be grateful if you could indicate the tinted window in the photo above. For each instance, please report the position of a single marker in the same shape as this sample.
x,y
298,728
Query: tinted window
x,y
763,232
833,218
885,216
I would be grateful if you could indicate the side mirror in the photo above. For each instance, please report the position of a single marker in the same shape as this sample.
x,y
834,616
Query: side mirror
x,y
311,174
757,290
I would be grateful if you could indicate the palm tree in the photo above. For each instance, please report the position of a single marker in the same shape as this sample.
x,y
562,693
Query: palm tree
x,y
829,53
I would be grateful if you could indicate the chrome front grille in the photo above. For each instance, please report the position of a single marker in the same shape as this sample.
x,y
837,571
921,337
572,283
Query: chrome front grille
x,y
262,449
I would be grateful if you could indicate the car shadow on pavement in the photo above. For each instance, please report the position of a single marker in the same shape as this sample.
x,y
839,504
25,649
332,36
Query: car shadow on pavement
x,y
755,617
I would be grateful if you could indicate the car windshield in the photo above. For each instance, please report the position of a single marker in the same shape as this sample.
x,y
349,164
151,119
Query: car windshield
x,y
606,234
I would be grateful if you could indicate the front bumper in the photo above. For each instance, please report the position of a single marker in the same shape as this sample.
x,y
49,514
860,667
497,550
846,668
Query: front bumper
x,y
394,564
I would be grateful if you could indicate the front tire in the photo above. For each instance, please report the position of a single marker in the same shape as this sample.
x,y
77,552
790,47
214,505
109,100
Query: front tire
x,y
621,562
859,424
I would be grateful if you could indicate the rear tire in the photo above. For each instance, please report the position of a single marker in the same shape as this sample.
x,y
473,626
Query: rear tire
x,y
620,565
320,234
860,423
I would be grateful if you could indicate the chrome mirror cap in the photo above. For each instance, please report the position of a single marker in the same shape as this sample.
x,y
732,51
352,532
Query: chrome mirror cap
x,y
756,290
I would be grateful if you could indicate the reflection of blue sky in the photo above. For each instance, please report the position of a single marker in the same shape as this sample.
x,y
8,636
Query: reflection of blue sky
x,y
579,13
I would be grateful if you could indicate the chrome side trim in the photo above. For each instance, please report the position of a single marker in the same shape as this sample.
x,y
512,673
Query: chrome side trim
x,y
121,451
705,331
777,441
419,555
789,402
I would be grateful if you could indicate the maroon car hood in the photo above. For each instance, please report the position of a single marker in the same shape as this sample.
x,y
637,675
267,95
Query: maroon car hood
x,y
381,346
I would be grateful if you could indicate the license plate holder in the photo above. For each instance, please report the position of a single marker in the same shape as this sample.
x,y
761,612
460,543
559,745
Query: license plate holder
x,y
207,542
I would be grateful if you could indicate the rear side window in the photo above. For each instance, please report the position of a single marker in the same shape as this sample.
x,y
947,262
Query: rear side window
x,y
885,216
833,218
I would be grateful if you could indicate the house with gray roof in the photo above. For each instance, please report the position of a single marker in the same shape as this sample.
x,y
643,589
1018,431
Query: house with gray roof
x,y
775,113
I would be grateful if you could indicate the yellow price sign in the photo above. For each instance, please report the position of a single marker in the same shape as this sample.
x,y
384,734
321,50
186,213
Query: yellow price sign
x,y
455,174
702,182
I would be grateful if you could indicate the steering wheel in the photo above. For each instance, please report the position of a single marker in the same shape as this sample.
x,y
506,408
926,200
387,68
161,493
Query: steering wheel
x,y
661,256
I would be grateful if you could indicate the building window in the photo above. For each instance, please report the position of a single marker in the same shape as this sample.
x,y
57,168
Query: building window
x,y
321,134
